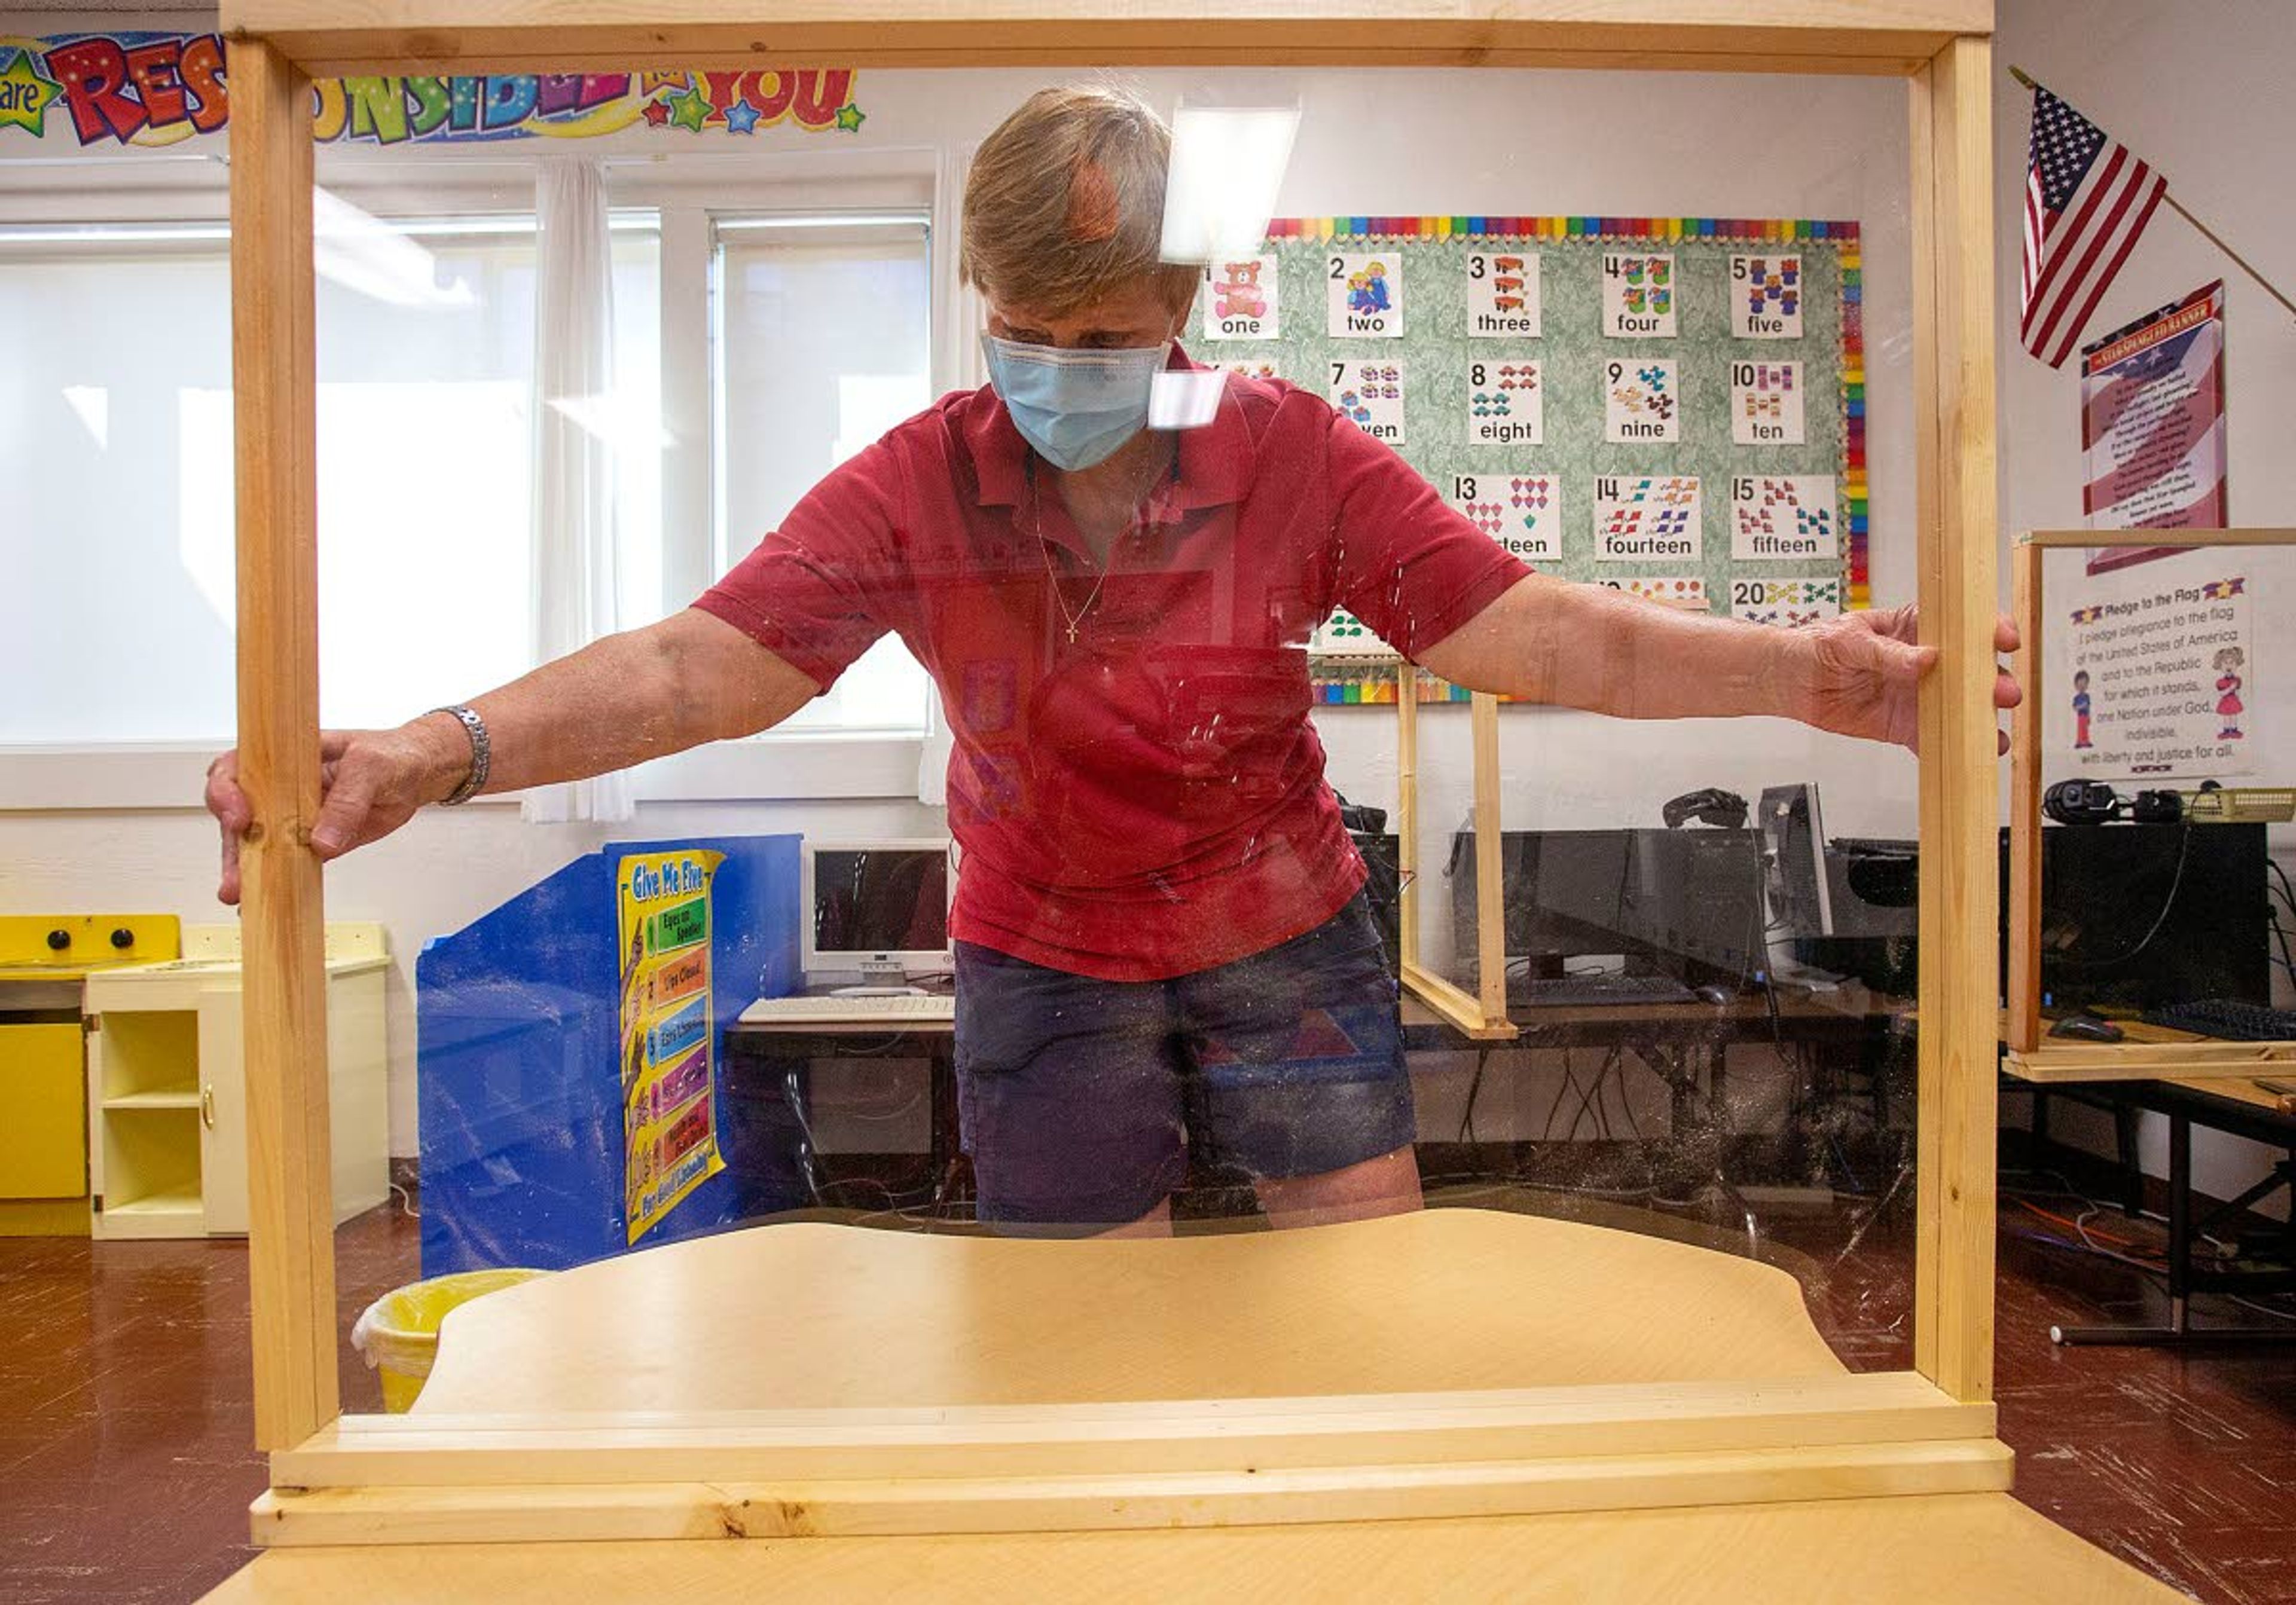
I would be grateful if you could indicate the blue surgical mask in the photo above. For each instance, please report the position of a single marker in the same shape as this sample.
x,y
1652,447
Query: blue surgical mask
x,y
1075,407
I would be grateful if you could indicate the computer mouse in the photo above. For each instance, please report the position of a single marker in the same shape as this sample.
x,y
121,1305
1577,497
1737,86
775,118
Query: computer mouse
x,y
1711,994
2086,1027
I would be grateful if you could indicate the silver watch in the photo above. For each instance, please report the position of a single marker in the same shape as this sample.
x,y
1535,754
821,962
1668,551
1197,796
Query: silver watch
x,y
482,755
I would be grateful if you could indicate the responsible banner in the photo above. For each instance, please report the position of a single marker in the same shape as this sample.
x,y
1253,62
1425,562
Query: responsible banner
x,y
161,88
669,1042
2156,679
2153,426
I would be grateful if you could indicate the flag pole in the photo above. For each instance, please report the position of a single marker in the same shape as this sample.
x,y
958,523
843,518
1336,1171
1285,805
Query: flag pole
x,y
2206,232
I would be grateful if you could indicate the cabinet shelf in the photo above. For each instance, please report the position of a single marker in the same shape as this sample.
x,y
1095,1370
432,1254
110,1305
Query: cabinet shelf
x,y
172,1212
143,1053
170,1100
174,1200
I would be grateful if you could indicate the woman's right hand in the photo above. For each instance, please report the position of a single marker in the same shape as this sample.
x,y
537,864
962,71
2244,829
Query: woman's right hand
x,y
371,782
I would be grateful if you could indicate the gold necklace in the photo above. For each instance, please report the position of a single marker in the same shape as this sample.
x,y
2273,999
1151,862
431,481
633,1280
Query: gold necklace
x,y
1035,527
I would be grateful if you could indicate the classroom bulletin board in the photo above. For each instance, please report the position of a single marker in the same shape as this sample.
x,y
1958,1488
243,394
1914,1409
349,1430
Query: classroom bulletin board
x,y
1673,407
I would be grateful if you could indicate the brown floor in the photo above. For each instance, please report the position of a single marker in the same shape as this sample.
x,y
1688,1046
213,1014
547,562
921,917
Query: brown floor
x,y
125,1410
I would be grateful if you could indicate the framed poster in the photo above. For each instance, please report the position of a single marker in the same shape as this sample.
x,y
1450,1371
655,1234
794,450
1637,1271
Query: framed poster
x,y
2153,426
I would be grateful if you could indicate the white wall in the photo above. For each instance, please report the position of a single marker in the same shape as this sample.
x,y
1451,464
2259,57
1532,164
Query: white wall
x,y
2199,90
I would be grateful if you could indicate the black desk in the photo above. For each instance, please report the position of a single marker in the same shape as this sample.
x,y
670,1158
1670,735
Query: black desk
x,y
1685,1045
2243,1110
772,1063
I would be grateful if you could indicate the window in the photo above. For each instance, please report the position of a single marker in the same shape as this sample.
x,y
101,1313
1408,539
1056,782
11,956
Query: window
x,y
821,345
116,437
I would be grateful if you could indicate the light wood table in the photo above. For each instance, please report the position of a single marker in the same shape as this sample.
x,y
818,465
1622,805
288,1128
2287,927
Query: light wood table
x,y
812,1314
1966,1548
1436,1300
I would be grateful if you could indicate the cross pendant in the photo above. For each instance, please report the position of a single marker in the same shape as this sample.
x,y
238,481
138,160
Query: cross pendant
x,y
1072,629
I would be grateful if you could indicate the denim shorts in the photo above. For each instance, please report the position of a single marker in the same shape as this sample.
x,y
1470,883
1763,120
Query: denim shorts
x,y
1078,1097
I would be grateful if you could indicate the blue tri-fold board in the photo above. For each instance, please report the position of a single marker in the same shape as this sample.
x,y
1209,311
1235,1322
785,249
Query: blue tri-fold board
x,y
518,1037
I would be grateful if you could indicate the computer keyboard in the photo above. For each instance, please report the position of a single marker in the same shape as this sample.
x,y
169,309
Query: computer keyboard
x,y
2225,1018
1873,847
893,1009
1550,992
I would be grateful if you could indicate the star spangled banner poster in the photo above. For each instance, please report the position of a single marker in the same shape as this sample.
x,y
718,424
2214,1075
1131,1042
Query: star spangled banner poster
x,y
2153,426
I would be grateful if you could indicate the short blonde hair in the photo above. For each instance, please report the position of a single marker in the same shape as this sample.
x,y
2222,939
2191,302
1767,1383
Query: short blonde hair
x,y
1065,203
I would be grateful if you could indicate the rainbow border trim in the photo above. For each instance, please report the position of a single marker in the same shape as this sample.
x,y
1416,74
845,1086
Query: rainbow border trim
x,y
1841,234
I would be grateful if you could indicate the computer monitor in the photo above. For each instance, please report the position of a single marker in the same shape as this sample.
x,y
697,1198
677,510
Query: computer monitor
x,y
1793,861
1685,903
877,909
1698,901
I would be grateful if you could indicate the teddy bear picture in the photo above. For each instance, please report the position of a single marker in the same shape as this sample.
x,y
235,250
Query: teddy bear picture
x,y
1236,291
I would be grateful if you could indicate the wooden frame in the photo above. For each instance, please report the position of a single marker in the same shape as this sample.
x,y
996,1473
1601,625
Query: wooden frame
x,y
1685,1445
2150,1055
1482,1016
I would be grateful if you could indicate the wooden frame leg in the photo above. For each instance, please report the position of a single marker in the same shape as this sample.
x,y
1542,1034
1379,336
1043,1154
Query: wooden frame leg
x,y
1481,1015
1952,324
1406,813
291,1234
2024,995
1490,864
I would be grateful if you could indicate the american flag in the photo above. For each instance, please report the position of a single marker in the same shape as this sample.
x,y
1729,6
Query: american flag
x,y
2087,200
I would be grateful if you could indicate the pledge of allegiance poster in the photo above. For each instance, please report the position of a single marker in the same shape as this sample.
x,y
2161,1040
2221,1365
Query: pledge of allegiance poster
x,y
2153,429
669,1080
2155,676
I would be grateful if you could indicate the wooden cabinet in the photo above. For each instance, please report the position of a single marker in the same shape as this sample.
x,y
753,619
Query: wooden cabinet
x,y
167,1100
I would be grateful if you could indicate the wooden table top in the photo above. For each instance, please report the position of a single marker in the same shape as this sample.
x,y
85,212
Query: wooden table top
x,y
808,1314
1441,1299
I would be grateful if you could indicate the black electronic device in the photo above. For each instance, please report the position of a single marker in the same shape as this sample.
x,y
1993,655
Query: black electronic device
x,y
1712,806
2138,915
1606,989
1793,861
2131,914
1684,904
1361,819
2157,807
2233,1019
2081,802
2086,1027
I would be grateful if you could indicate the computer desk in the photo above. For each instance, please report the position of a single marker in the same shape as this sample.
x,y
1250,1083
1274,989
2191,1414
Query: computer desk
x,y
2241,1108
1686,1044
2234,1105
1683,1043
782,1053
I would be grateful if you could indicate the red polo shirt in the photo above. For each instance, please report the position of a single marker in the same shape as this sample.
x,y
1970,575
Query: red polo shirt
x,y
1148,800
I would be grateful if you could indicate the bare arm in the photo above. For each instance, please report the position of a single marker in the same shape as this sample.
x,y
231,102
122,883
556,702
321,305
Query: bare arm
x,y
1588,646
643,694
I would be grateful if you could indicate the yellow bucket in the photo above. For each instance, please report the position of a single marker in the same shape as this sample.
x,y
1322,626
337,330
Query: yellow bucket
x,y
398,1333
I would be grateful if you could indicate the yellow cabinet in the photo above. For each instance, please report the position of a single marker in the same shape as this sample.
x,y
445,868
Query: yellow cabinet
x,y
43,1112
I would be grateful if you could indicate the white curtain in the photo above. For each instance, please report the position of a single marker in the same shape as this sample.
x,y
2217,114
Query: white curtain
x,y
577,582
958,318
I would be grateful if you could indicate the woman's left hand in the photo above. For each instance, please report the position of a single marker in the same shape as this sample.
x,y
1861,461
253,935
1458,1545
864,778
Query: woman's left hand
x,y
1866,667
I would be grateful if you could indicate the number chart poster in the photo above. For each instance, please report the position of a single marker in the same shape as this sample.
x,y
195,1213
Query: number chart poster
x,y
1674,407
669,1081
